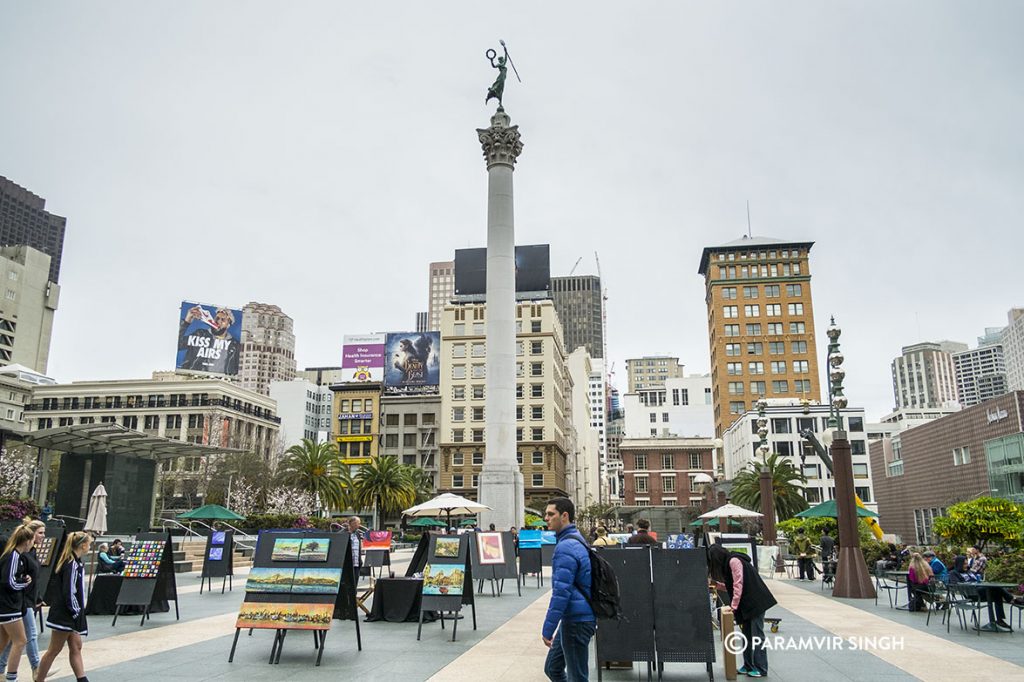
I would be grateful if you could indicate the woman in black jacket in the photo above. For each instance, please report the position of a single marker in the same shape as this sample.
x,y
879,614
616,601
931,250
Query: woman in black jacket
x,y
13,583
67,615
749,598
30,567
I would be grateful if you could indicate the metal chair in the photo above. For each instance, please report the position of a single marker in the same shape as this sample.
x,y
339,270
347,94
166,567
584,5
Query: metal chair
x,y
883,584
828,574
963,599
935,598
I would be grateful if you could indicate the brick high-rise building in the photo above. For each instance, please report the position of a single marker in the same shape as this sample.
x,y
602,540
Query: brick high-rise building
x,y
23,220
268,347
760,324
578,302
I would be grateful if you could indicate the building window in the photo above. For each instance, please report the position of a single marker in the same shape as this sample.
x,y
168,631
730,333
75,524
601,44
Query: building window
x,y
641,484
409,419
536,347
961,456
772,291
536,369
734,368
695,460
478,458
536,412
538,481
860,470
802,386
778,367
668,484
732,330
640,462
749,292
757,388
732,349
458,459
458,414
730,311
795,308
737,407
755,367
409,440
755,348
752,311
728,292
735,388
794,290
535,326
782,425
458,481
754,329
773,309
479,371
391,440
780,386
478,435
478,414
538,457
519,413
537,433
684,396
775,329
801,367
797,328
664,417
458,350
479,350
458,371
799,347
519,435
458,435
857,447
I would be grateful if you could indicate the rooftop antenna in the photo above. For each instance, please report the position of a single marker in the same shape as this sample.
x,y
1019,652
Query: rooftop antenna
x,y
749,234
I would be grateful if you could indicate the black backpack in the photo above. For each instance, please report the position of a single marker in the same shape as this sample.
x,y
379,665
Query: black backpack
x,y
604,586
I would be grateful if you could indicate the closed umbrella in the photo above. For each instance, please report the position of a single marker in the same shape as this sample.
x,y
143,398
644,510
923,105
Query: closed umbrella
x,y
96,519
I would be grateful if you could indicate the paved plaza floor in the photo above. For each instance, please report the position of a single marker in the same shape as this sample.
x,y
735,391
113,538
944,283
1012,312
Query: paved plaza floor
x,y
507,646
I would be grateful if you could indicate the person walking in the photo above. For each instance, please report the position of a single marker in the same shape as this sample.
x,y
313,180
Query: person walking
x,y
67,615
749,598
13,583
643,535
805,555
30,567
602,538
570,623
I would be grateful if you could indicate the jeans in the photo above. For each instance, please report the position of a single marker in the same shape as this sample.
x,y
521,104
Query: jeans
x,y
806,565
754,657
570,652
31,647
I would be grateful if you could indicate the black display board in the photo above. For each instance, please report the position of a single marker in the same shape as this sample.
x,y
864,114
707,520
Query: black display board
x,y
306,603
377,558
144,591
419,557
495,573
632,638
219,559
547,554
530,563
682,620
443,603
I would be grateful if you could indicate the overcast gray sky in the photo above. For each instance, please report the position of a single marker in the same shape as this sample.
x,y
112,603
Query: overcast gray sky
x,y
317,155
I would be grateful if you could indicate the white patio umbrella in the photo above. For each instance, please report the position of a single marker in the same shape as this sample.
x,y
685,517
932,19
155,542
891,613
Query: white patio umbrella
x,y
731,511
446,503
96,519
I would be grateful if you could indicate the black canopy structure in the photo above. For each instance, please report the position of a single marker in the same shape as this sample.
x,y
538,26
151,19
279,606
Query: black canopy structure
x,y
114,439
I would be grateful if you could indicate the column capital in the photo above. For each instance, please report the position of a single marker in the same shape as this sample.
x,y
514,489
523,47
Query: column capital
x,y
500,142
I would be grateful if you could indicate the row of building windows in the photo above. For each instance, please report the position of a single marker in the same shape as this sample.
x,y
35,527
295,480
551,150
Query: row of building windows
x,y
459,481
774,348
770,291
640,462
770,270
480,328
409,419
774,329
770,310
479,350
777,367
758,388
410,440
355,405
477,435
754,255
479,371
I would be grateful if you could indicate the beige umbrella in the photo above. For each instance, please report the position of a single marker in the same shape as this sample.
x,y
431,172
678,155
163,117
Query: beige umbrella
x,y
731,511
96,519
446,503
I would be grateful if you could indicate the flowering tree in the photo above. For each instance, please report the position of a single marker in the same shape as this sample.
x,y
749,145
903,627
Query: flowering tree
x,y
244,499
284,500
15,472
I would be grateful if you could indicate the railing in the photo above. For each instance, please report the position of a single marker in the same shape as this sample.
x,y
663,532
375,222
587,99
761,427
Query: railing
x,y
239,533
165,522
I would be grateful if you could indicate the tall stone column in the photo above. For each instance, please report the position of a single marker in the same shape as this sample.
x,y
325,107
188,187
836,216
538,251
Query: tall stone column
x,y
501,480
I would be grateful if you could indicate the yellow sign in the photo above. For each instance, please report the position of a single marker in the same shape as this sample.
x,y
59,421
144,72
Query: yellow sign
x,y
355,439
356,460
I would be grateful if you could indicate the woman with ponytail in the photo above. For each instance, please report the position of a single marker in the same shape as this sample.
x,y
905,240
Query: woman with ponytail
x,y
67,615
31,596
13,583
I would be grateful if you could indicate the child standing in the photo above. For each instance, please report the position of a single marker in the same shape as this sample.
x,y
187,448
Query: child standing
x,y
67,615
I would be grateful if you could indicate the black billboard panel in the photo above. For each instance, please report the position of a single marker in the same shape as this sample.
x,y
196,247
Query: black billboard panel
x,y
533,270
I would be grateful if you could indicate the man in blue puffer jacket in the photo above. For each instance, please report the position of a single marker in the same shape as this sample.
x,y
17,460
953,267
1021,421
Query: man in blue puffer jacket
x,y
569,610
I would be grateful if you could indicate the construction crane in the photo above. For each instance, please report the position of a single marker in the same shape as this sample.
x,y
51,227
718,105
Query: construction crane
x,y
823,455
575,266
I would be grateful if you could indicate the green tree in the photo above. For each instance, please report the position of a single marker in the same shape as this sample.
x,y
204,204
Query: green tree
x,y
385,485
787,486
981,521
316,468
422,483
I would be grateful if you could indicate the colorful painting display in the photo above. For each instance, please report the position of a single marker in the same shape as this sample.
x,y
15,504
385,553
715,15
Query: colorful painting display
x,y
285,616
143,559
209,338
316,581
217,538
413,364
489,548
44,551
529,539
443,579
547,537
314,549
447,547
620,538
269,580
680,541
286,549
377,539
216,553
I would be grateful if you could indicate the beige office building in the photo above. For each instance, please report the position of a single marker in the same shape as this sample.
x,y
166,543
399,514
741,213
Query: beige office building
x,y
268,347
442,289
27,307
651,371
543,399
760,324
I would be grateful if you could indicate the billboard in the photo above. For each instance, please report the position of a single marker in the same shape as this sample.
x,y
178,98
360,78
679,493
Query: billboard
x,y
413,364
362,357
209,338
533,270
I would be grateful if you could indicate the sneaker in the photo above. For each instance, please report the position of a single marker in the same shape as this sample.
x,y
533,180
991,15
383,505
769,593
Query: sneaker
x,y
743,671
754,673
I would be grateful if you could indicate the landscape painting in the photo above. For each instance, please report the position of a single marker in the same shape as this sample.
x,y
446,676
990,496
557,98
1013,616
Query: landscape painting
x,y
314,549
286,549
285,616
447,547
316,581
443,579
269,580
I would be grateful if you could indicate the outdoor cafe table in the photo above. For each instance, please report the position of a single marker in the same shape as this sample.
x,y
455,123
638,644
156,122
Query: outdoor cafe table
x,y
993,589
397,600
900,578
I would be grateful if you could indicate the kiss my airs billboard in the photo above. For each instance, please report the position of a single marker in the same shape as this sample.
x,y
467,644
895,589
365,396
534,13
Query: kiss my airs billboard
x,y
209,338
362,357
413,362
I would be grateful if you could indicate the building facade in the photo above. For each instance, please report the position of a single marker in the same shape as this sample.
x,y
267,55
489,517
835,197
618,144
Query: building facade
x,y
923,375
760,324
16,385
322,376
355,422
682,408
651,371
268,347
585,449
27,308
1013,349
661,471
442,289
423,322
962,456
579,302
786,420
597,390
409,428
543,392
25,220
613,463
981,372
304,409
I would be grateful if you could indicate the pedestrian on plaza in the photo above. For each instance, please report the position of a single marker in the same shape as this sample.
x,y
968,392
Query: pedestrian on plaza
x,y
977,561
602,538
749,598
629,529
643,535
918,576
805,555
828,547
14,580
29,565
67,615
938,568
570,623
356,542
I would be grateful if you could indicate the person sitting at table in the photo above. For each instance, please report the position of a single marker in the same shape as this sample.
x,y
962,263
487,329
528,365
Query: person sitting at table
x,y
960,573
917,582
116,549
107,563
938,568
977,561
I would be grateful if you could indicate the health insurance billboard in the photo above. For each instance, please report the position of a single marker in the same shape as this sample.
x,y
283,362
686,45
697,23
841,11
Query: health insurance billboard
x,y
362,358
413,362
209,338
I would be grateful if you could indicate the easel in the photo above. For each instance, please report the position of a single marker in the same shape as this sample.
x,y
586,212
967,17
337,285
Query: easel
x,y
143,591
443,603
219,568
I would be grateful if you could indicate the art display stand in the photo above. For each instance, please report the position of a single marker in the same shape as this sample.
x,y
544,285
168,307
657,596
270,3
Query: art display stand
x,y
496,573
219,560
377,559
448,603
530,564
282,606
143,591
665,608
48,555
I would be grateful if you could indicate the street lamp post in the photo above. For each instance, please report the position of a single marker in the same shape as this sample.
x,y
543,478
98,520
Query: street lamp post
x,y
852,578
768,531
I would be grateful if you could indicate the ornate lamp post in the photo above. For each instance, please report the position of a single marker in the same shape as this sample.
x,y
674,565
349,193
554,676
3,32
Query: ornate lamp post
x,y
769,535
852,578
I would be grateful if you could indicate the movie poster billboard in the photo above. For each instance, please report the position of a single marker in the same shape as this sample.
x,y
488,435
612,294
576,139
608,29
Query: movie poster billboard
x,y
362,357
413,364
209,338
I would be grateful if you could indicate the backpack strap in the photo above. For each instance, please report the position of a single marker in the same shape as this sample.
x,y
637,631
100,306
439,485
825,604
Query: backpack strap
x,y
579,538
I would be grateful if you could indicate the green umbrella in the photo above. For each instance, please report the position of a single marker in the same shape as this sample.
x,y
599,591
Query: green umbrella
x,y
704,522
538,524
211,512
427,523
827,510
468,523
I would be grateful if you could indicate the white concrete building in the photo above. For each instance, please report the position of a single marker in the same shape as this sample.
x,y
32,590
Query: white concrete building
x,y
682,408
585,452
16,384
268,347
981,371
910,417
304,409
1013,349
923,376
27,307
598,408
786,419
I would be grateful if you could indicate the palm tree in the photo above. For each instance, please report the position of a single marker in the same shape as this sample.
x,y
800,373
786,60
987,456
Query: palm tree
x,y
422,482
385,485
787,486
315,467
